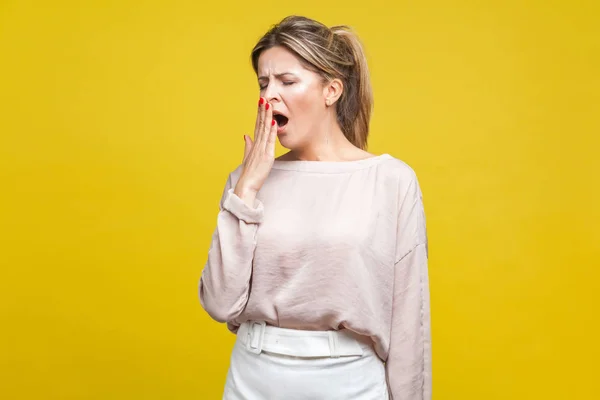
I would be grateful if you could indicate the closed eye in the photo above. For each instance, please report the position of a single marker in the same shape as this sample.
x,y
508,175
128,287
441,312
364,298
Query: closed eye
x,y
286,83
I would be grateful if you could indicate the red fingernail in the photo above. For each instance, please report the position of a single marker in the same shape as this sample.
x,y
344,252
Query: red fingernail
x,y
267,106
272,122
261,101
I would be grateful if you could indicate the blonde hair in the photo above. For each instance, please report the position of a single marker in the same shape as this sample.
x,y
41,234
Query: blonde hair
x,y
334,52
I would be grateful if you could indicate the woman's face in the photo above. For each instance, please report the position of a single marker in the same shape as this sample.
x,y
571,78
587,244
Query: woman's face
x,y
296,94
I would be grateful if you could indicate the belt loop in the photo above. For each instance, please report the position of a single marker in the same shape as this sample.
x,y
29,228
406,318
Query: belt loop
x,y
256,336
333,344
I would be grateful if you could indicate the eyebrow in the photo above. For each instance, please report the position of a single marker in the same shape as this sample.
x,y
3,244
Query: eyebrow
x,y
277,75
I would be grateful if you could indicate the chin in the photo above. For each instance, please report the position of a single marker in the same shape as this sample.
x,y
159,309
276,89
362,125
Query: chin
x,y
285,141
291,139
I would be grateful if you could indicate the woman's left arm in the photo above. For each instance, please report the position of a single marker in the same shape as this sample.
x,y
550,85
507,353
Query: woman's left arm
x,y
408,366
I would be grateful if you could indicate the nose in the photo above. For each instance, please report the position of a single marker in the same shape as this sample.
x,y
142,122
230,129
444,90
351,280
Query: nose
x,y
271,93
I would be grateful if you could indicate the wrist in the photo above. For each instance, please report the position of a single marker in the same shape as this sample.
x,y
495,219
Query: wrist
x,y
244,192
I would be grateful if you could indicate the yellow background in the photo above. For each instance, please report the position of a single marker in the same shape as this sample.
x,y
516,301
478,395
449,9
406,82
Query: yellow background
x,y
121,119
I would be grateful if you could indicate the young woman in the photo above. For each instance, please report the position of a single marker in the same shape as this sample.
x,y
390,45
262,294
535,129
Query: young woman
x,y
319,258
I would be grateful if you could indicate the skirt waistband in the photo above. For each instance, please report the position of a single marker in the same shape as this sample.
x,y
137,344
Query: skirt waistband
x,y
257,336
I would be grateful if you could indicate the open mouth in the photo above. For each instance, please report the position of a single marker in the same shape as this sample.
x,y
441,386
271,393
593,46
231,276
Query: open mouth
x,y
281,120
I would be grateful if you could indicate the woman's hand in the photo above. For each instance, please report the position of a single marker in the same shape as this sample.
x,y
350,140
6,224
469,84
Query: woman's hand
x,y
258,155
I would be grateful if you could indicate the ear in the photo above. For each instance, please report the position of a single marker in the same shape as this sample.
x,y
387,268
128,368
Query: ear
x,y
332,91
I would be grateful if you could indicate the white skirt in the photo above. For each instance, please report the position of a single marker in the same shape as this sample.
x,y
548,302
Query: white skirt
x,y
270,363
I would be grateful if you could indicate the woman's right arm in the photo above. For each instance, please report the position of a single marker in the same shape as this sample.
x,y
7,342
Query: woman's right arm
x,y
225,281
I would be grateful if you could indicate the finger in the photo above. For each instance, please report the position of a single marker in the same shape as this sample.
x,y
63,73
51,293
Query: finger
x,y
247,146
270,150
257,122
260,120
268,124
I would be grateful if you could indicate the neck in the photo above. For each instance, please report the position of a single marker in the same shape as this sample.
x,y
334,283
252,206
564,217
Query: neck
x,y
328,143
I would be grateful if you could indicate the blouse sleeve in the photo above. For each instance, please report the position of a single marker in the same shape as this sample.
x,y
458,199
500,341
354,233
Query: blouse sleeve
x,y
408,366
225,281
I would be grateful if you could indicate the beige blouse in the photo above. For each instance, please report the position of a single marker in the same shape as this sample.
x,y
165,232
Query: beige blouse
x,y
330,245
